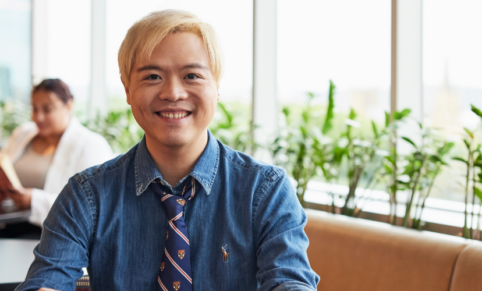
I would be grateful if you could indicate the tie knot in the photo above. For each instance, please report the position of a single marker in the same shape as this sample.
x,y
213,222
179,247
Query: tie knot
x,y
175,204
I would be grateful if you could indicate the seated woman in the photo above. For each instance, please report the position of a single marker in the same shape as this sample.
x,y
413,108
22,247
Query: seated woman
x,y
48,151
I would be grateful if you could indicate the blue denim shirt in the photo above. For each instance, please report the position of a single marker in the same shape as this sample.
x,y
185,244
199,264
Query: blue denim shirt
x,y
108,219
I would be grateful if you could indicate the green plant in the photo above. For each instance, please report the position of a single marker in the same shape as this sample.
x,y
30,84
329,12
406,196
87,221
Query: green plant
x,y
421,168
473,177
359,153
301,147
389,171
12,114
119,129
365,158
232,129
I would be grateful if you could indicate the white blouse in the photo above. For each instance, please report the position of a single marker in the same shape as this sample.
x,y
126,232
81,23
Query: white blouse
x,y
78,149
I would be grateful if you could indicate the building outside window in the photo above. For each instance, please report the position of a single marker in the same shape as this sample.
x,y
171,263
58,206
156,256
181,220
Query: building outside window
x,y
15,50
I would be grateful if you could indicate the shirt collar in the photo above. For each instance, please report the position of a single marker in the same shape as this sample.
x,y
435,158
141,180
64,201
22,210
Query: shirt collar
x,y
204,171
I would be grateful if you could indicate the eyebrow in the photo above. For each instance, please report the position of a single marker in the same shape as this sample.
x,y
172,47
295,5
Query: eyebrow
x,y
195,66
149,67
188,66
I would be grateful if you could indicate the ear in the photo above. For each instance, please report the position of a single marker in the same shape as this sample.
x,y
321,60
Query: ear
x,y
70,104
128,95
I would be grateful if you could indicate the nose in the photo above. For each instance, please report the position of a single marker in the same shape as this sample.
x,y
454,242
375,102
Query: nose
x,y
38,116
173,90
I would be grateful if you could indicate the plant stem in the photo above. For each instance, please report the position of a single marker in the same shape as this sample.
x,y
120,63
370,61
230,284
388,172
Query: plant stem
x,y
467,180
478,221
347,209
408,209
426,196
474,184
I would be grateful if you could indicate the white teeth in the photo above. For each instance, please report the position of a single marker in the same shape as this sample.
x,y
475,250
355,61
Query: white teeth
x,y
174,115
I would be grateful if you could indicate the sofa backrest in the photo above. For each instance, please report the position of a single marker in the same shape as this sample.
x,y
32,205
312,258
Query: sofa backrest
x,y
467,274
359,255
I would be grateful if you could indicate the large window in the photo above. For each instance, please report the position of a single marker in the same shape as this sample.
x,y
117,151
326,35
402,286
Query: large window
x,y
452,78
15,49
68,46
347,41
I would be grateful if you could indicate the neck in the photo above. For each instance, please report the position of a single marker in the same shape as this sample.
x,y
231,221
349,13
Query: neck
x,y
51,139
174,163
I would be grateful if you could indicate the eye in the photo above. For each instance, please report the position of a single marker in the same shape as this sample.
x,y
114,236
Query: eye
x,y
153,77
191,76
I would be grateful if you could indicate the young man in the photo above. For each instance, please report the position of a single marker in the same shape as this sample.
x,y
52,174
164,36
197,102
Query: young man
x,y
179,211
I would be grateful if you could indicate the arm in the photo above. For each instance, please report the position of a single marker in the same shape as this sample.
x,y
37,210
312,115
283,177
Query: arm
x,y
40,205
279,222
38,200
64,248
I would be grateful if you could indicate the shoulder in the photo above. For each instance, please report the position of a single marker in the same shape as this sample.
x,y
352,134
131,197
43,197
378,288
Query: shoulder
x,y
241,160
88,135
19,138
25,129
111,169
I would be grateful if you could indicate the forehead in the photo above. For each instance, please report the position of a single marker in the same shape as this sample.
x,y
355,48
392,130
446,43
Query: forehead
x,y
45,97
178,49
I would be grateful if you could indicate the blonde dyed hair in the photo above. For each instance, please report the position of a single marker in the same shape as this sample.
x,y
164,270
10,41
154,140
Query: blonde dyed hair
x,y
143,37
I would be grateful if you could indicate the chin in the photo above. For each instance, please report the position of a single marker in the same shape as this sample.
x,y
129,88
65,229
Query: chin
x,y
43,133
174,140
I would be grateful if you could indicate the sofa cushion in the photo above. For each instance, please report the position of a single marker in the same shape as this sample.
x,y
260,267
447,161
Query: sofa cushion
x,y
468,270
356,255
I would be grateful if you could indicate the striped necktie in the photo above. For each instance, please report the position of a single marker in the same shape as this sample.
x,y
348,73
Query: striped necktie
x,y
175,272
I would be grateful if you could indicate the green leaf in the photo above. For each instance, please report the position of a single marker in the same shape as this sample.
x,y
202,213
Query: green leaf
x,y
328,124
286,111
478,192
446,148
226,113
375,130
409,141
399,115
352,115
460,160
470,133
467,144
387,119
405,112
476,110
388,169
435,159
390,159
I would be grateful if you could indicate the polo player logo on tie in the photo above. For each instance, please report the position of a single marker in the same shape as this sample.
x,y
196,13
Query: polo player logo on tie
x,y
167,234
180,254
162,266
181,201
176,285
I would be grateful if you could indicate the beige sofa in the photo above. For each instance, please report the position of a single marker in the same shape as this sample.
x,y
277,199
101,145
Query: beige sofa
x,y
360,255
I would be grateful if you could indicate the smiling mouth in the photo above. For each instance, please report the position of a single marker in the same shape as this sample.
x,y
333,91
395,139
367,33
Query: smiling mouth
x,y
174,115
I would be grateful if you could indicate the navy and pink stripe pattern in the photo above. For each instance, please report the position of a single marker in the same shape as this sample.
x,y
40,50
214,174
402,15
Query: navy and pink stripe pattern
x,y
175,270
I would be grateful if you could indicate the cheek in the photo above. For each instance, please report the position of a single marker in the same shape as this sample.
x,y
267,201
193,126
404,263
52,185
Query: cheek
x,y
142,97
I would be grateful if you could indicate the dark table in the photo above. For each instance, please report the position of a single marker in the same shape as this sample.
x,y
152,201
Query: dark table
x,y
15,258
10,214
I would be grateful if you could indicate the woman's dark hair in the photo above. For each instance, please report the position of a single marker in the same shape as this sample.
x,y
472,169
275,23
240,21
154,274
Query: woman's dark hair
x,y
56,86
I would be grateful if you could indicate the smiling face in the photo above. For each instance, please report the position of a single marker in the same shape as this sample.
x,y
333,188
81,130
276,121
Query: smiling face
x,y
173,95
50,113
